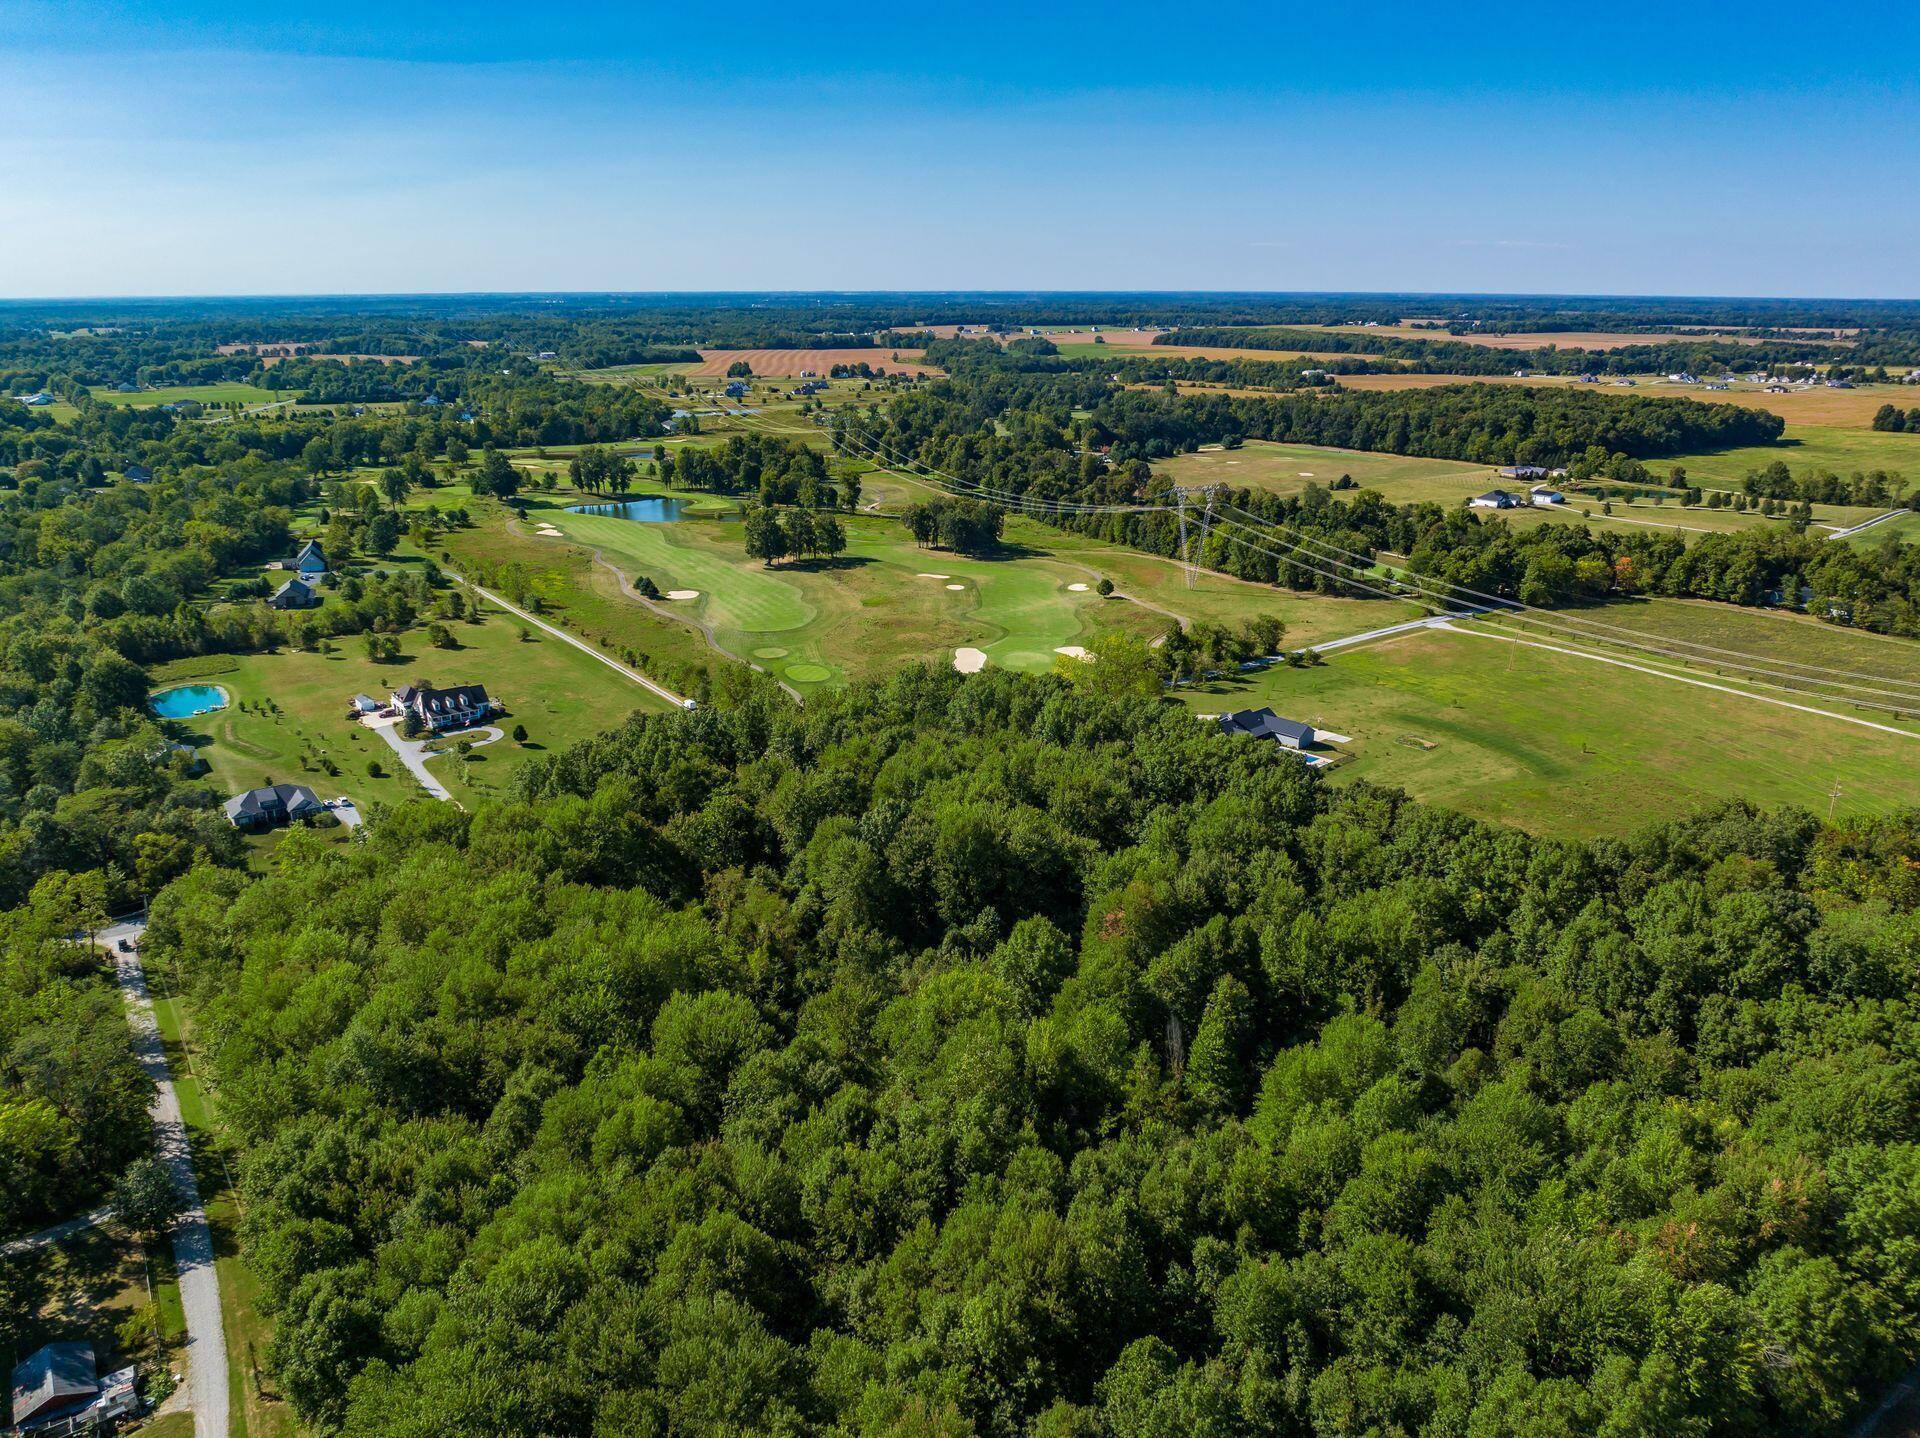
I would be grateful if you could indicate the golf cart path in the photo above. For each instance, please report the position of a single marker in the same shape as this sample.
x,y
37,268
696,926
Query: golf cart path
x,y
677,700
192,1239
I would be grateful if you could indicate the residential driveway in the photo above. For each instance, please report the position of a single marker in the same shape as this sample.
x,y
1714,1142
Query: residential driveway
x,y
46,1236
192,1240
413,752
347,812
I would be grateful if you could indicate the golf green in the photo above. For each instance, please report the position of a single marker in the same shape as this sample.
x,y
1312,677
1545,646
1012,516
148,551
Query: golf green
x,y
772,651
806,673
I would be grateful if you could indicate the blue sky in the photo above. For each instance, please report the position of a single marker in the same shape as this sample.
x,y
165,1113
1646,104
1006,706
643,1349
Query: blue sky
x,y
1712,149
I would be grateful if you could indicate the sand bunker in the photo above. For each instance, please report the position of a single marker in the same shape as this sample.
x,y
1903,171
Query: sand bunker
x,y
683,594
956,586
969,661
1079,588
1072,651
924,575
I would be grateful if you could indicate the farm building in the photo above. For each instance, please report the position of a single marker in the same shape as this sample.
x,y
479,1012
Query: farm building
x,y
311,561
272,805
1265,724
1545,497
56,1382
294,594
436,709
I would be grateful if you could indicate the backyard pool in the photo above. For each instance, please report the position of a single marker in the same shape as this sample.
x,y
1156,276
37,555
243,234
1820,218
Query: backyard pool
x,y
185,700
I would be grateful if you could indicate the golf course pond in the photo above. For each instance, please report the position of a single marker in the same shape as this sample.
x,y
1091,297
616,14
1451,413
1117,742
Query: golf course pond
x,y
185,700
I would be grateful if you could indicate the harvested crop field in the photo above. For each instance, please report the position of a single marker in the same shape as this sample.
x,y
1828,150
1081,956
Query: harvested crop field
x,y
1559,339
792,364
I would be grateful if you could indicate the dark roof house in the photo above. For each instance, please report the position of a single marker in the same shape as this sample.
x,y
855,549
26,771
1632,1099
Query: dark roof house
x,y
453,708
56,1382
294,594
1496,499
1265,724
311,559
138,473
275,804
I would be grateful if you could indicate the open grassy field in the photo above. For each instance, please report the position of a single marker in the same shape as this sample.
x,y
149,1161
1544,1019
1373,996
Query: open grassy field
x,y
1566,746
287,712
1085,349
208,394
1290,468
1805,447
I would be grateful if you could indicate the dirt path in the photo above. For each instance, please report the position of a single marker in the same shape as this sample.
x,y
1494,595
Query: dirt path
x,y
49,1236
192,1239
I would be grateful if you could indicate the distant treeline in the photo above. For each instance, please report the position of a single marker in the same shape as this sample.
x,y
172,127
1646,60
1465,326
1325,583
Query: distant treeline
x,y
1452,356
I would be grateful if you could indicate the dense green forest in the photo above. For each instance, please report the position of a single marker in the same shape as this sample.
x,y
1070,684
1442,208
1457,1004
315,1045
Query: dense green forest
x,y
973,1056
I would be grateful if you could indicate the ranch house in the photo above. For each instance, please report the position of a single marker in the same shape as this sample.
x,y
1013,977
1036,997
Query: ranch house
x,y
460,707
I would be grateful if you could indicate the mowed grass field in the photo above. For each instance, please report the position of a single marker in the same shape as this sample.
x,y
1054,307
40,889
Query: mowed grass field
x,y
1567,746
296,709
208,394
1904,530
1837,448
1290,468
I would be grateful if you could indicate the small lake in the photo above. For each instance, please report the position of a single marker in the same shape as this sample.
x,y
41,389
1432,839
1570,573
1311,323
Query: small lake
x,y
649,509
186,700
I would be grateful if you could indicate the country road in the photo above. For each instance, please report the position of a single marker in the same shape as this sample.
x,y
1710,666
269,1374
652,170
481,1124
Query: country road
x,y
192,1239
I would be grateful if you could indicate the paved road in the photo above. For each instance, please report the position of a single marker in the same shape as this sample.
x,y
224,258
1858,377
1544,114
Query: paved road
x,y
192,1240
1432,621
585,648
1869,524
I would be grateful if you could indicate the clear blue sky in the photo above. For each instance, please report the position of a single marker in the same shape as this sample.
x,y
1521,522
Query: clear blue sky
x,y
212,148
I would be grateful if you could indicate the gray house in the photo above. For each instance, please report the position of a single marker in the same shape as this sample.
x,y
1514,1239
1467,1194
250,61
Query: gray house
x,y
1265,724
294,594
311,561
460,707
273,805
57,1382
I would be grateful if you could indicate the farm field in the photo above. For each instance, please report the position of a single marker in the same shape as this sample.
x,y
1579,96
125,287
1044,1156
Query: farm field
x,y
1088,349
1566,746
208,394
1563,339
1845,408
793,363
295,709
1289,468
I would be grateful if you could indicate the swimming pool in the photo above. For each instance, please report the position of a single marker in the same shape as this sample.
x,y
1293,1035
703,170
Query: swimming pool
x,y
186,700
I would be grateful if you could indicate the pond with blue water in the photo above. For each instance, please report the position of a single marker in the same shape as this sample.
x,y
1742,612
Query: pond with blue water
x,y
648,509
185,700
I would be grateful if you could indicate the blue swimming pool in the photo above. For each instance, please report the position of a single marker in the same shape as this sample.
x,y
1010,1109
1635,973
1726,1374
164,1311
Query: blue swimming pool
x,y
185,700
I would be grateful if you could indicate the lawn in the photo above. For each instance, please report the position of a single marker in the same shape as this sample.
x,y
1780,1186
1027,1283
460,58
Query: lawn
x,y
207,394
1565,746
1290,468
287,715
